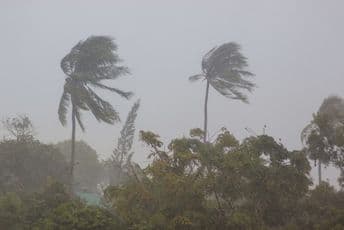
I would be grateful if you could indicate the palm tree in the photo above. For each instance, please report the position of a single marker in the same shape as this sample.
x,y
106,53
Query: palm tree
x,y
224,68
87,66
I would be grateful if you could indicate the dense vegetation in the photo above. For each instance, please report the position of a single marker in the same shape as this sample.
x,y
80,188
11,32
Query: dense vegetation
x,y
194,182
224,184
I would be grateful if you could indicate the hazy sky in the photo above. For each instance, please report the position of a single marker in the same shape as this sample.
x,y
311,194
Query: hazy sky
x,y
294,47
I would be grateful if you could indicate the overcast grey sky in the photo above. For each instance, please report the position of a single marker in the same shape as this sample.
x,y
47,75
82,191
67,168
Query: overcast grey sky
x,y
294,47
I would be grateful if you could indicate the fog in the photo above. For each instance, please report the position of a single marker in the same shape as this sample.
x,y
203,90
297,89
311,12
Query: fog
x,y
294,48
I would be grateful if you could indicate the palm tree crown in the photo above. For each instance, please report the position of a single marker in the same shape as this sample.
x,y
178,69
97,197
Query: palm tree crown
x,y
225,69
87,66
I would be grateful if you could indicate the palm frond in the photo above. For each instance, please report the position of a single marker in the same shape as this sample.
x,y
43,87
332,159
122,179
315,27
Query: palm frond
x,y
205,59
229,90
237,80
196,77
126,95
68,62
108,72
63,107
102,110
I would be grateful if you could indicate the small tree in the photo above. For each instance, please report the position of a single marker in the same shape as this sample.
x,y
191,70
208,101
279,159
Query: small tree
x,y
20,127
121,157
321,136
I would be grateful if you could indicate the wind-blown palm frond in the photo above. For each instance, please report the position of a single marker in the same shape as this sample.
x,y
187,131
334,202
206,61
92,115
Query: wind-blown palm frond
x,y
196,77
228,89
102,110
63,107
205,59
126,95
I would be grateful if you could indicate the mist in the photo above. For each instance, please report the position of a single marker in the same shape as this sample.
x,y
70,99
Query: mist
x,y
293,48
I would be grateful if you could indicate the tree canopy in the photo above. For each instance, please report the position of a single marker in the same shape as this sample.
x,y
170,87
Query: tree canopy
x,y
88,169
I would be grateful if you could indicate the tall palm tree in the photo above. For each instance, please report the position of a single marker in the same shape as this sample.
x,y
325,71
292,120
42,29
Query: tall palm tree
x,y
225,69
87,66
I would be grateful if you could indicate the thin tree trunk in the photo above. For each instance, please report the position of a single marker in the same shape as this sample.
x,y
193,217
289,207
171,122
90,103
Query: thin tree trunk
x,y
319,171
72,161
206,113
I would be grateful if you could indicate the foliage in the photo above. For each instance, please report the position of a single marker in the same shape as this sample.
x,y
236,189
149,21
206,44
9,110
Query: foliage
x,y
77,216
225,184
52,209
20,127
26,166
120,165
88,169
322,209
323,136
220,185
11,212
225,69
88,65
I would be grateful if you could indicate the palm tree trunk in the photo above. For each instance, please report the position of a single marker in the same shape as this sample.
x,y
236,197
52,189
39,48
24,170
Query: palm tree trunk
x,y
206,113
72,161
319,171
